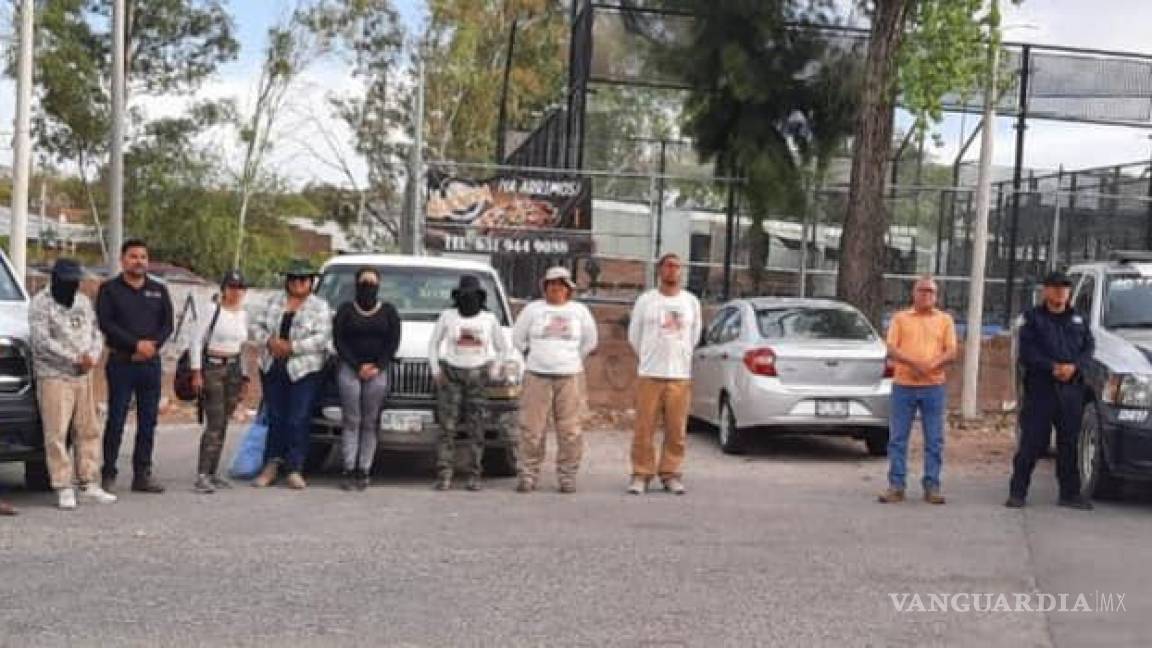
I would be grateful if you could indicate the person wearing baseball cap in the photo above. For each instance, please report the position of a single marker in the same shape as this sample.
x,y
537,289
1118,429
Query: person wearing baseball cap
x,y
218,373
66,344
1055,342
555,334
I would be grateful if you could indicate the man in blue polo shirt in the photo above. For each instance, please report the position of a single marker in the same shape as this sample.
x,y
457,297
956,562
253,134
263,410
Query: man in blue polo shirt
x,y
135,314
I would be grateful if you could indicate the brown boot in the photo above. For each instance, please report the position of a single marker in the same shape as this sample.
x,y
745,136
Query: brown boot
x,y
933,496
295,481
891,496
267,477
525,485
145,483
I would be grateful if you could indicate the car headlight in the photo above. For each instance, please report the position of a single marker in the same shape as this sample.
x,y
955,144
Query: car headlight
x,y
1129,390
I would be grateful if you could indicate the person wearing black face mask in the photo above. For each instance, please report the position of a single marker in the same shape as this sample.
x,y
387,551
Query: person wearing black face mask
x,y
366,333
66,343
466,343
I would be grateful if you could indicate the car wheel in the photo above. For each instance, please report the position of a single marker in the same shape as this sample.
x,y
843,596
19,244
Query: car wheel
x,y
1096,481
731,437
697,425
319,457
501,462
36,477
877,442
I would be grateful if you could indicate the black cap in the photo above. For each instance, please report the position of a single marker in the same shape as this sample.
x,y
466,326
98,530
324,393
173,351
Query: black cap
x,y
233,278
67,270
1058,279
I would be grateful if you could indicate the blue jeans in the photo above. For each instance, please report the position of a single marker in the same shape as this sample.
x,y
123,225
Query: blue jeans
x,y
906,401
126,379
289,406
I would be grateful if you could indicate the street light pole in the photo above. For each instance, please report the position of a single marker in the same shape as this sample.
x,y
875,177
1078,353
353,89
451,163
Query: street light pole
x,y
502,119
970,397
116,171
22,145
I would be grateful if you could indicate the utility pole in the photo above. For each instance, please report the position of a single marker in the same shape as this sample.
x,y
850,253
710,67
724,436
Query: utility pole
x,y
415,241
22,144
970,396
116,174
502,119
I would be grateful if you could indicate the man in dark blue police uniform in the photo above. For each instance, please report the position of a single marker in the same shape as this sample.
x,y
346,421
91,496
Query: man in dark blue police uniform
x,y
1055,343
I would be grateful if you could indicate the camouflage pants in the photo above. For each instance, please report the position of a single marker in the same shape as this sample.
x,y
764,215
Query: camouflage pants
x,y
459,403
222,386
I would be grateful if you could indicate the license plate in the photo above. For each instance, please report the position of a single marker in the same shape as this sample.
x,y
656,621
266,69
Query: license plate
x,y
404,421
832,408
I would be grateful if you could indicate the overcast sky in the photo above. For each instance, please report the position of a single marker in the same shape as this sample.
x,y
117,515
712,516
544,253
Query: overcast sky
x,y
1102,24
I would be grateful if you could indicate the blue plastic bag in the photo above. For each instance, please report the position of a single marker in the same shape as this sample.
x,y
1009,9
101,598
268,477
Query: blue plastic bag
x,y
249,457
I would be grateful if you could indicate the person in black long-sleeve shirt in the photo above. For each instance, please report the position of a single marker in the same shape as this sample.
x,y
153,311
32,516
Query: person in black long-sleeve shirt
x,y
366,332
135,315
1056,344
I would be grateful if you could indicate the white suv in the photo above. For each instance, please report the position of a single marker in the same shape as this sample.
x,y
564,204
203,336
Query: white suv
x,y
420,288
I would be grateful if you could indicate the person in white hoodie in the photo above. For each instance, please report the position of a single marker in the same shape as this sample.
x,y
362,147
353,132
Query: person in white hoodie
x,y
663,331
466,341
556,334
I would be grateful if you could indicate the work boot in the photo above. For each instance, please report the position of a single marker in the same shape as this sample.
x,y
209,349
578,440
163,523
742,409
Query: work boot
x,y
444,481
295,481
474,483
639,486
204,485
933,496
96,494
1078,502
66,499
108,484
6,509
675,486
1014,502
362,481
267,476
347,481
219,483
144,483
525,485
891,496
567,486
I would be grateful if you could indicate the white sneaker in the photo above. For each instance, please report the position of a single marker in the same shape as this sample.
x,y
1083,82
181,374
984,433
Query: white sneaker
x,y
66,499
97,494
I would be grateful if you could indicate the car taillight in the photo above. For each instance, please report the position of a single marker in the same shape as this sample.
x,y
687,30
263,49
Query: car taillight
x,y
889,369
761,362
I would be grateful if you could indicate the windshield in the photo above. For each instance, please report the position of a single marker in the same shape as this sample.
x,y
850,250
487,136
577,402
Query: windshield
x,y
813,323
1128,302
420,294
9,289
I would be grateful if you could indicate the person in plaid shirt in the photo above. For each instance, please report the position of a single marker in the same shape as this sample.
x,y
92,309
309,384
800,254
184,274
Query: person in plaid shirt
x,y
293,330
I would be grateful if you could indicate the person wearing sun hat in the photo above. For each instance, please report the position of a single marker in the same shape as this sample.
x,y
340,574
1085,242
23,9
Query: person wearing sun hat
x,y
466,341
218,373
556,334
293,330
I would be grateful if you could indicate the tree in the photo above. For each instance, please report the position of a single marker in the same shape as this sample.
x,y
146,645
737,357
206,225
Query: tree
x,y
769,100
932,48
465,46
173,46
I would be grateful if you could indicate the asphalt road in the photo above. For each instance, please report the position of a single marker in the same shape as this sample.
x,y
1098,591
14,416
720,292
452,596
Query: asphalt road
x,y
783,547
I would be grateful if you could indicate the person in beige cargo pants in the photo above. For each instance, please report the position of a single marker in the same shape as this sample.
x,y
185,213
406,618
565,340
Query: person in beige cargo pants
x,y
556,334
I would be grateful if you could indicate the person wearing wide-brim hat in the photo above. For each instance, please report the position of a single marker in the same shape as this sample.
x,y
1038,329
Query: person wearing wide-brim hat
x,y
557,334
466,341
1055,342
293,330
218,373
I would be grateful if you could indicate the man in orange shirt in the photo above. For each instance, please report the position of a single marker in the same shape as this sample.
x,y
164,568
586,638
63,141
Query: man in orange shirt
x,y
921,343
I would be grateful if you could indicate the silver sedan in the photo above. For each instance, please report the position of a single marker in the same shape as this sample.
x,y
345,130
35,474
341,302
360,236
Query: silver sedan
x,y
788,366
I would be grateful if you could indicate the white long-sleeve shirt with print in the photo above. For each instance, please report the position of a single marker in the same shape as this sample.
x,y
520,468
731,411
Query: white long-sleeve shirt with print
x,y
556,339
60,336
663,332
466,342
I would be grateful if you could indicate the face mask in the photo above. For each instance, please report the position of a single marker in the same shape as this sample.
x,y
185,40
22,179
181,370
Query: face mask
x,y
366,294
469,303
64,292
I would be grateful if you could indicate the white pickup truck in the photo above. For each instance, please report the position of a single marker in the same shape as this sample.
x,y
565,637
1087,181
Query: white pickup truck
x,y
420,288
